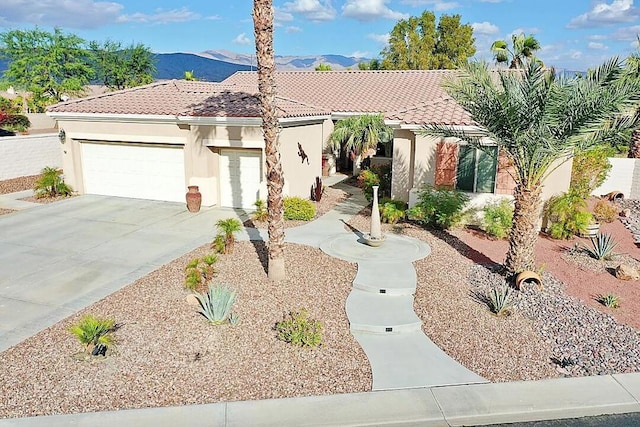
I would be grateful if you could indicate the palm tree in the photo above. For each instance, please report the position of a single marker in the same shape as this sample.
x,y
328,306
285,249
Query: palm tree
x,y
538,121
263,30
523,48
360,133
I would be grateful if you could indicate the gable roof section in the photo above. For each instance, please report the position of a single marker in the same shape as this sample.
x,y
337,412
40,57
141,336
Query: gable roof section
x,y
412,97
184,98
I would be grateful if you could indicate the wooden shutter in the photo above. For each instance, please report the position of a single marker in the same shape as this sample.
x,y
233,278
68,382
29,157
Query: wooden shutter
x,y
446,165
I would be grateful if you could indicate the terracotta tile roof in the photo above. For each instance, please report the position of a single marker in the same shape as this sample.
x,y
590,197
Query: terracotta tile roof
x,y
410,96
183,98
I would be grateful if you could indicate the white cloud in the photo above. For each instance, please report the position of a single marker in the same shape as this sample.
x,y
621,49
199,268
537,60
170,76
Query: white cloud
x,y
358,54
437,5
161,16
292,29
626,33
380,38
241,39
527,31
369,10
575,54
67,14
597,46
314,10
596,37
484,28
280,15
602,13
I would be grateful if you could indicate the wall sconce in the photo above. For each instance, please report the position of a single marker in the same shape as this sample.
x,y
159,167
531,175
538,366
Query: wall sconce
x,y
62,136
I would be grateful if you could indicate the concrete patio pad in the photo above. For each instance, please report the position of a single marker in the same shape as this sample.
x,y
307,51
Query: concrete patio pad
x,y
58,258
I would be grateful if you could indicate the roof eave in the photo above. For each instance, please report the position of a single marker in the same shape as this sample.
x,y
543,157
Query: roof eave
x,y
110,117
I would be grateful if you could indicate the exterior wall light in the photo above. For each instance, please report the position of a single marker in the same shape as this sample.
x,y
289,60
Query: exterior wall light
x,y
62,136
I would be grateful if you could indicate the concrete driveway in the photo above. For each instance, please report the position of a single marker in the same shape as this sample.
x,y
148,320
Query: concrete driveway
x,y
59,258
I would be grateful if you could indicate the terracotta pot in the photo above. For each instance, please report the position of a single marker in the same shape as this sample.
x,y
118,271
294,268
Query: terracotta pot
x,y
194,199
528,277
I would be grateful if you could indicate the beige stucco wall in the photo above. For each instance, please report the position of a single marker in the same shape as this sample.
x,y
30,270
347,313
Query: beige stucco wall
x,y
403,164
299,176
558,181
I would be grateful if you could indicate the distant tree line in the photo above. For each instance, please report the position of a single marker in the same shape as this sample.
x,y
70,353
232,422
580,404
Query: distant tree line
x,y
51,66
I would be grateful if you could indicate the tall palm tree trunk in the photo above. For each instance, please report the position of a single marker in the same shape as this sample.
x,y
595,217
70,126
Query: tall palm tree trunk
x,y
263,28
524,231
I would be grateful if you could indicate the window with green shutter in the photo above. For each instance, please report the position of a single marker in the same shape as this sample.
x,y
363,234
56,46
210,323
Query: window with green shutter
x,y
476,169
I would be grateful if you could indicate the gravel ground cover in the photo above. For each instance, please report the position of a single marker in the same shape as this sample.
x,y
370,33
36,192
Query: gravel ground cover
x,y
18,184
168,355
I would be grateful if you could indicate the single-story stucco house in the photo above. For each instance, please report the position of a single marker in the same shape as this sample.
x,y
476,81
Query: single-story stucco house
x,y
153,141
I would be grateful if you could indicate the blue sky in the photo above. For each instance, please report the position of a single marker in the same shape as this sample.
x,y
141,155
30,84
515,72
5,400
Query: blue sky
x,y
574,34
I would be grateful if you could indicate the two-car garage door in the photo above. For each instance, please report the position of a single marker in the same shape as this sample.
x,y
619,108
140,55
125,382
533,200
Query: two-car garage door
x,y
154,172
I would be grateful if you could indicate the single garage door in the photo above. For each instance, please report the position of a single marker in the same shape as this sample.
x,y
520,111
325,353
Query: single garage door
x,y
240,176
137,171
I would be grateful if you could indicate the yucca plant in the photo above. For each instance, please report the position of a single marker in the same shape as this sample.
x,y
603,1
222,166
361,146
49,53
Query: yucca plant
x,y
215,305
225,239
92,331
603,245
51,184
499,301
609,300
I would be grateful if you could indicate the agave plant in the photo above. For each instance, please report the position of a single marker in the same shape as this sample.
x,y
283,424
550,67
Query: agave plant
x,y
215,305
499,301
603,245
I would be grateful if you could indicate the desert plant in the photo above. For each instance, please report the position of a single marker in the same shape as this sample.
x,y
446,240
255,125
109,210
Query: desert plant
x,y
199,271
499,301
568,215
609,300
391,211
215,305
498,217
14,122
51,184
298,329
602,246
261,213
317,190
605,211
92,331
225,239
589,169
297,208
438,207
366,181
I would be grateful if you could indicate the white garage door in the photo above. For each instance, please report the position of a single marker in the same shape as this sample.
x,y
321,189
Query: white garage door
x,y
137,171
240,176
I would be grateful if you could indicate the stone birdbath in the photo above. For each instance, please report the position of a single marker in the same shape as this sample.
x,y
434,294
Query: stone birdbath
x,y
375,237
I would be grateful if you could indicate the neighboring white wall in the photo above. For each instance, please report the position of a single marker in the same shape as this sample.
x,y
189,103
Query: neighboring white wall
x,y
27,154
620,178
40,121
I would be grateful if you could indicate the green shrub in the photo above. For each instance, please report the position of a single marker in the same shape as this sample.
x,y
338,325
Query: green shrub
x,y
605,211
498,217
438,207
590,169
391,211
199,271
603,245
92,331
215,305
14,122
298,329
297,208
568,215
261,213
379,175
609,300
51,184
225,239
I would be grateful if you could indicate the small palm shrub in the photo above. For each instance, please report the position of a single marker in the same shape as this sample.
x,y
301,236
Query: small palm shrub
x,y
297,208
568,215
92,331
51,184
498,217
602,246
199,271
225,239
499,301
216,304
261,213
605,211
391,211
438,208
298,329
609,300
